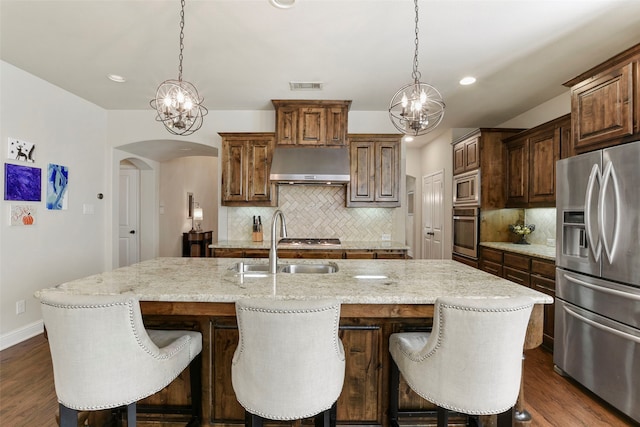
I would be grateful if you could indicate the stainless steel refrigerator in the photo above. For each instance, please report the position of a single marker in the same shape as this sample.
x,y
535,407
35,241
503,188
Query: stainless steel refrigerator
x,y
597,313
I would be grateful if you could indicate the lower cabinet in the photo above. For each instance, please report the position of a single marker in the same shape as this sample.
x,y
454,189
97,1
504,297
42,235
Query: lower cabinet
x,y
468,261
532,272
312,253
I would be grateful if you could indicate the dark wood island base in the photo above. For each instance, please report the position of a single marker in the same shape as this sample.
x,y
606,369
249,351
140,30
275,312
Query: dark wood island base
x,y
364,330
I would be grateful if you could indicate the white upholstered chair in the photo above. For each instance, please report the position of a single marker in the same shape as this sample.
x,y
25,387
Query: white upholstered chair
x,y
289,363
104,358
470,363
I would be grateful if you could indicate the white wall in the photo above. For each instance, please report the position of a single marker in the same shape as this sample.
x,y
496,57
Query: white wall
x,y
61,245
552,109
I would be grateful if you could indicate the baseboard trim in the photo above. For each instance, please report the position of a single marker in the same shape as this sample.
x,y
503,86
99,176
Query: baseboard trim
x,y
21,334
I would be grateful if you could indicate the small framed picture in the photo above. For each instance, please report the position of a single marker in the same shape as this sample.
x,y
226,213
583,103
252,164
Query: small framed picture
x,y
189,205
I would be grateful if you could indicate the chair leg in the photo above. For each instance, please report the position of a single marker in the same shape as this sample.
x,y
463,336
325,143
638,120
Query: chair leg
x,y
252,420
68,416
195,378
131,415
394,384
443,417
505,419
323,419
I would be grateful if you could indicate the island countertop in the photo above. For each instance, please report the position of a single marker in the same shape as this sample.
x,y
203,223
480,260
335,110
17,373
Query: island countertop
x,y
213,280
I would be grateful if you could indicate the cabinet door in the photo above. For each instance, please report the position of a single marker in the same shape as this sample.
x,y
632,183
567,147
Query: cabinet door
x,y
234,171
259,165
312,126
544,151
386,171
602,108
361,394
336,126
458,158
224,404
517,173
548,287
362,182
472,154
286,125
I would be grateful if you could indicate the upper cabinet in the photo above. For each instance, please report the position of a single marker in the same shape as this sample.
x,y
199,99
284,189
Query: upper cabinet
x,y
375,170
605,103
531,161
466,155
483,148
246,163
305,122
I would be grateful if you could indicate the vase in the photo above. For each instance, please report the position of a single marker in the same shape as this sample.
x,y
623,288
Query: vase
x,y
523,240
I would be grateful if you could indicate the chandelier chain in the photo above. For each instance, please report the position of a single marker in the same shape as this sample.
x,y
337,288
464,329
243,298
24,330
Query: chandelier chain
x,y
416,74
181,40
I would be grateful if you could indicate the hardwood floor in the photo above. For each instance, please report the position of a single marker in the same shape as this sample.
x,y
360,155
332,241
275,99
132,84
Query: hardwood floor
x,y
27,395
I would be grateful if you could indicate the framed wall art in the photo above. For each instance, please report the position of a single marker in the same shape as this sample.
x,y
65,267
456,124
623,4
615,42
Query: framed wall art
x,y
23,215
57,183
21,150
22,183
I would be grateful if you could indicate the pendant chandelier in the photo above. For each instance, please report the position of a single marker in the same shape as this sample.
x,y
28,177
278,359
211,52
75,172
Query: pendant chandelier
x,y
177,102
417,108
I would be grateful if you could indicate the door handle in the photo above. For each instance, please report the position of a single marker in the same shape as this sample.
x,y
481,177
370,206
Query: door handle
x,y
609,174
593,242
132,232
431,233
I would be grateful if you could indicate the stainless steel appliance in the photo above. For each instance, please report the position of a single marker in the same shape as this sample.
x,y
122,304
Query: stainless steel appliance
x,y
597,317
465,232
466,189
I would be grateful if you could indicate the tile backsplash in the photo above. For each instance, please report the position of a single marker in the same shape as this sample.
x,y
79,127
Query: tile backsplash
x,y
317,212
494,224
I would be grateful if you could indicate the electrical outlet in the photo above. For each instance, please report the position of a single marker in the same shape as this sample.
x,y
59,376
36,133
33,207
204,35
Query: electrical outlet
x,y
386,237
21,306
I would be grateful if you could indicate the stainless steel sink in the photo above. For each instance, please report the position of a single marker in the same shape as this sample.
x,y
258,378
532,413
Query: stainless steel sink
x,y
308,268
242,268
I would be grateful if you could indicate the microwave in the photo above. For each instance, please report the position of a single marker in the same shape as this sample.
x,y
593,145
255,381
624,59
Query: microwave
x,y
466,189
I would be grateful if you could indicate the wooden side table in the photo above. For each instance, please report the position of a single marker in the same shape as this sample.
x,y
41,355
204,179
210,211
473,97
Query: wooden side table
x,y
196,243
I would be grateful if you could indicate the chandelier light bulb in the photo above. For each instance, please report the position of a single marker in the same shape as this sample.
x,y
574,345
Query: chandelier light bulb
x,y
405,100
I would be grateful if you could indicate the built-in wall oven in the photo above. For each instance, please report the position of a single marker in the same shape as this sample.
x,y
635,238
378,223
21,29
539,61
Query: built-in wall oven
x,y
465,231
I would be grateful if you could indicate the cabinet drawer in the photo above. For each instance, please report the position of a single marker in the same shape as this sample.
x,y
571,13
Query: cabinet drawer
x,y
468,261
521,262
543,268
228,253
544,285
491,255
491,267
518,276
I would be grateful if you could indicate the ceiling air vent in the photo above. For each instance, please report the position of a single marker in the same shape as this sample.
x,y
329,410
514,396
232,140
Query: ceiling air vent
x,y
305,85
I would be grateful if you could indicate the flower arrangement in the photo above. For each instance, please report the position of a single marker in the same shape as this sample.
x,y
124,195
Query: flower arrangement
x,y
522,231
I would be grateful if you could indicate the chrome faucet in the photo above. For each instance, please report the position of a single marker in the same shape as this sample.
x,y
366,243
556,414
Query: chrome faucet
x,y
273,252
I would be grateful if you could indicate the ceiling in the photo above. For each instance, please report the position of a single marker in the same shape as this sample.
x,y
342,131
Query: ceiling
x,y
240,54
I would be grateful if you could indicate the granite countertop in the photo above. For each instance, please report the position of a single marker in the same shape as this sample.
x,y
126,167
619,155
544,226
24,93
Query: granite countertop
x,y
540,251
213,280
344,245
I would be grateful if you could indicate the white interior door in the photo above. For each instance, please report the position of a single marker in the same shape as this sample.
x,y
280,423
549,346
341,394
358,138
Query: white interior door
x,y
432,215
129,237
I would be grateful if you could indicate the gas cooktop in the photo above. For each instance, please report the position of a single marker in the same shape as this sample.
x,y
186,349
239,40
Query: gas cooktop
x,y
308,241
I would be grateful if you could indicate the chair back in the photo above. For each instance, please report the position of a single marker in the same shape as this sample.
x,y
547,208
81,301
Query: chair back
x,y
472,361
289,363
102,355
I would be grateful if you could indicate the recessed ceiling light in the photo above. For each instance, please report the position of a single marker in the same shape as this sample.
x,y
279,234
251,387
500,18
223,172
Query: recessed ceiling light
x,y
282,4
468,81
116,78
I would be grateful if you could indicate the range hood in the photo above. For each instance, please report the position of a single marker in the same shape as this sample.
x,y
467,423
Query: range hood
x,y
310,165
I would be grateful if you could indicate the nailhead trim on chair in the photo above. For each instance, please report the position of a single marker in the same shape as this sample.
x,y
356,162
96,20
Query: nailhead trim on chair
x,y
128,303
290,311
438,343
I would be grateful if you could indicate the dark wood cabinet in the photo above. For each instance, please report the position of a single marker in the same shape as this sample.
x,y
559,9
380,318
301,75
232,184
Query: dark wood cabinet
x,y
375,170
525,270
483,148
312,253
246,164
317,122
531,163
196,243
605,100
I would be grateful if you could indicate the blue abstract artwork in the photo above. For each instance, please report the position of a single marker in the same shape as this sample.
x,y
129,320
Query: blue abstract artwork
x,y
22,183
57,182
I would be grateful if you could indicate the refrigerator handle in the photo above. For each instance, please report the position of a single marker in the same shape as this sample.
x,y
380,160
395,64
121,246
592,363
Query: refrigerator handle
x,y
594,176
609,174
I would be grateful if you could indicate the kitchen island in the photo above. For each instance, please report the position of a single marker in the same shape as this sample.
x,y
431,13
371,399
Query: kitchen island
x,y
379,297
